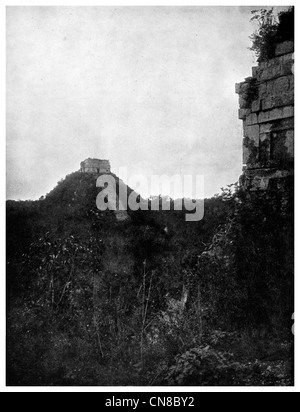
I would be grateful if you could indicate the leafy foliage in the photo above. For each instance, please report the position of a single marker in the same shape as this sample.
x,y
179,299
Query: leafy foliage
x,y
199,366
96,302
272,29
206,366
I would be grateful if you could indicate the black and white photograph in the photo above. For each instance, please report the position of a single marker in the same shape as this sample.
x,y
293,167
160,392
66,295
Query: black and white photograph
x,y
150,198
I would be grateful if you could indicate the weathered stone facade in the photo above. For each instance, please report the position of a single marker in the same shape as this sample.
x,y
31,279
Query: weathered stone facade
x,y
267,110
96,166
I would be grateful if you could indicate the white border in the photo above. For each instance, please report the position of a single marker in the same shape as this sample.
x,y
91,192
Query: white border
x,y
2,221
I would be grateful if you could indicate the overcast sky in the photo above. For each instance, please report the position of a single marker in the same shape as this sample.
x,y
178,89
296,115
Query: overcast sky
x,y
150,88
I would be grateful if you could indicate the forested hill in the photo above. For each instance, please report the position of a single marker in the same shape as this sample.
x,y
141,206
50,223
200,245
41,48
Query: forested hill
x,y
70,209
94,301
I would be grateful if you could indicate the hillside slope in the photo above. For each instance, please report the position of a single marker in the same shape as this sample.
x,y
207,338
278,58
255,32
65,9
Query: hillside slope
x,y
94,301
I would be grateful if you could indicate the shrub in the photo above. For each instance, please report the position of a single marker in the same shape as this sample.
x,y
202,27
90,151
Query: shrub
x,y
272,30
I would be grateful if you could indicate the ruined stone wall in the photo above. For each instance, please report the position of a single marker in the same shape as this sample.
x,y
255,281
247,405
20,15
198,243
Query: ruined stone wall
x,y
267,110
96,166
